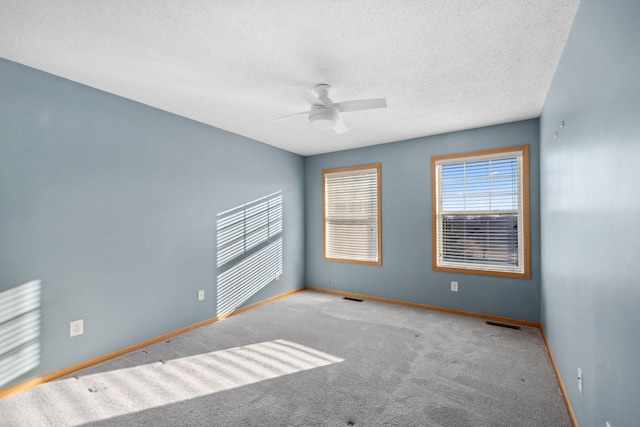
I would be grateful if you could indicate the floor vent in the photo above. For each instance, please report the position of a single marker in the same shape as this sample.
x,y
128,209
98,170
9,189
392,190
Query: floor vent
x,y
503,325
353,299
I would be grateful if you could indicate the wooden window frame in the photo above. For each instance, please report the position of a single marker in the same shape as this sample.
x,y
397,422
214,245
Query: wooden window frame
x,y
526,241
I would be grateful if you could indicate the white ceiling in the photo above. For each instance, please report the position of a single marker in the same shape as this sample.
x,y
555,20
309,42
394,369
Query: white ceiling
x,y
442,65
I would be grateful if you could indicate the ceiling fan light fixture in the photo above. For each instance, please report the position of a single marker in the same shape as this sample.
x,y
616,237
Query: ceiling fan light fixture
x,y
322,117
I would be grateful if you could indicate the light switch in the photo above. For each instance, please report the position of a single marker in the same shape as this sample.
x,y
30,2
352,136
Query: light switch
x,y
76,328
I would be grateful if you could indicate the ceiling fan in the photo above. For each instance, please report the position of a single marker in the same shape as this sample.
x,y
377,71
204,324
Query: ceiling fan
x,y
325,114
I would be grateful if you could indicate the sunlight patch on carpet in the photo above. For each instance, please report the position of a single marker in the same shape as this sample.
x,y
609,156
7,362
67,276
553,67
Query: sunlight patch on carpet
x,y
104,395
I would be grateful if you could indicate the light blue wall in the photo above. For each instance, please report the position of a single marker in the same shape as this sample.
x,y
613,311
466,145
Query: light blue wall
x,y
113,205
406,272
590,210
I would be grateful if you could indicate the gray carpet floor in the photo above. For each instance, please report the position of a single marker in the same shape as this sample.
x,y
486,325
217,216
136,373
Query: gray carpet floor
x,y
313,359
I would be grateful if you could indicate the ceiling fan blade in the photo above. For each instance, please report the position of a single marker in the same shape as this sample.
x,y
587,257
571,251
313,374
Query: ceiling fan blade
x,y
308,95
340,127
363,104
290,115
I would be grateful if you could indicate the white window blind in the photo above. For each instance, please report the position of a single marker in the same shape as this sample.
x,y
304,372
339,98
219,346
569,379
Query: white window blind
x,y
351,216
480,212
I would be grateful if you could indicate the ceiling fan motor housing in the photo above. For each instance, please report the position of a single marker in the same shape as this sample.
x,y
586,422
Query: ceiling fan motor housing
x,y
323,117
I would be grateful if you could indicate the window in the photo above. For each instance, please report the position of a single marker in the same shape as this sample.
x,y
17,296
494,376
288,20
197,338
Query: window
x,y
480,203
351,214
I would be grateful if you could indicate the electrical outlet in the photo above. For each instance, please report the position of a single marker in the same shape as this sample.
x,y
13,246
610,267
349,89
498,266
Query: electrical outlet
x,y
454,286
200,294
580,380
76,328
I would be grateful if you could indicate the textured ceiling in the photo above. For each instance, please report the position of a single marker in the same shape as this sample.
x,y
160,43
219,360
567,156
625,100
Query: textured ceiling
x,y
442,65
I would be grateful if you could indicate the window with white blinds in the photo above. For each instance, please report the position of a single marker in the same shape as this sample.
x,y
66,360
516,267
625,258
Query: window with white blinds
x,y
351,214
481,212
